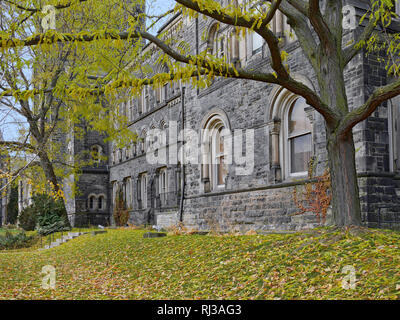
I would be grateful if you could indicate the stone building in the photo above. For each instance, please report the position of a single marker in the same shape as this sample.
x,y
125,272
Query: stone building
x,y
87,195
278,131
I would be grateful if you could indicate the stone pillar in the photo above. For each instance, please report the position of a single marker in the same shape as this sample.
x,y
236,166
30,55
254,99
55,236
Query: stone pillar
x,y
275,128
310,115
279,24
205,166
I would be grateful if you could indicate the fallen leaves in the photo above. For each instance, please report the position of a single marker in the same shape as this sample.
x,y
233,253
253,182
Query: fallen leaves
x,y
123,265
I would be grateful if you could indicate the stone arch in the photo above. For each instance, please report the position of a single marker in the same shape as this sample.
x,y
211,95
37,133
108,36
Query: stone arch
x,y
282,102
214,127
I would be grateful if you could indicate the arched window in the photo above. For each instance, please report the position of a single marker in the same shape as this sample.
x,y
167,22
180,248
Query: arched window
x,y
214,156
299,140
146,99
101,203
131,104
142,190
291,122
212,38
92,202
143,141
114,192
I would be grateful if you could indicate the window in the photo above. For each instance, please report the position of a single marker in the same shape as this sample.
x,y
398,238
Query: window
x,y
163,185
215,168
221,47
134,149
394,134
142,191
113,157
146,99
143,141
257,42
127,192
92,202
140,104
101,203
299,138
131,104
165,92
219,158
163,181
291,141
212,36
114,192
233,48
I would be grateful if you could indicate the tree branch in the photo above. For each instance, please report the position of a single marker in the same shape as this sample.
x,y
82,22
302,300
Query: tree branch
x,y
379,96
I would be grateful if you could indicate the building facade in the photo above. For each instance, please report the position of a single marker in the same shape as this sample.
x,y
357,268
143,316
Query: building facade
x,y
231,155
87,194
277,131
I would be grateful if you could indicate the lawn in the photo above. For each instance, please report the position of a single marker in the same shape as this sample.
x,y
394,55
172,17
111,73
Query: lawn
x,y
122,265
3,231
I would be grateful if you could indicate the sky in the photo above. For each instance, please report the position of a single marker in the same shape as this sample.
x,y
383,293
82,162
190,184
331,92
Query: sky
x,y
154,7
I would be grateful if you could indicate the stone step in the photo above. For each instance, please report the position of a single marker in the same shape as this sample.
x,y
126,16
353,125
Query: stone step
x,y
69,236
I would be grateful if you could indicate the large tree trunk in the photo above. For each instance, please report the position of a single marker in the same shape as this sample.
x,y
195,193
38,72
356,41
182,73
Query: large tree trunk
x,y
50,175
346,199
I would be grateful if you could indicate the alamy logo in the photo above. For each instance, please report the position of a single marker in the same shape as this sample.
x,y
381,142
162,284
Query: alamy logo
x,y
207,147
49,279
349,281
49,20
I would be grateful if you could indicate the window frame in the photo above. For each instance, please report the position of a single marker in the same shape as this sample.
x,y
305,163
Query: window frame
x,y
213,128
143,189
288,139
278,113
103,206
92,202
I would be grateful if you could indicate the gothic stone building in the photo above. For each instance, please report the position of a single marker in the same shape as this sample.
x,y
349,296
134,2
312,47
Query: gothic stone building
x,y
88,203
277,131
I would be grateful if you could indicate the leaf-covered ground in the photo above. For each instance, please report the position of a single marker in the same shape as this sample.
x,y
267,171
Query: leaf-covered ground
x,y
123,265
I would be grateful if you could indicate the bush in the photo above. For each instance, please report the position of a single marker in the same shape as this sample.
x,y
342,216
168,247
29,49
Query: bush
x,y
45,214
15,241
50,215
28,219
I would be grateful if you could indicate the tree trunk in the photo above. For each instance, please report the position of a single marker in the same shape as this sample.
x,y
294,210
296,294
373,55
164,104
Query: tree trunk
x,y
345,193
50,175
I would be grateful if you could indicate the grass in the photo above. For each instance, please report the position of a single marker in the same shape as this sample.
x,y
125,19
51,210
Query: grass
x,y
3,231
122,265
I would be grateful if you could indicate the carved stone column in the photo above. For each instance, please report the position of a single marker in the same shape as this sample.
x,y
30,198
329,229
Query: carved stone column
x,y
275,129
205,166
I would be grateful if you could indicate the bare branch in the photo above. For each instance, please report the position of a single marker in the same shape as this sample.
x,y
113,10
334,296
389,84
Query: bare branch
x,y
379,96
